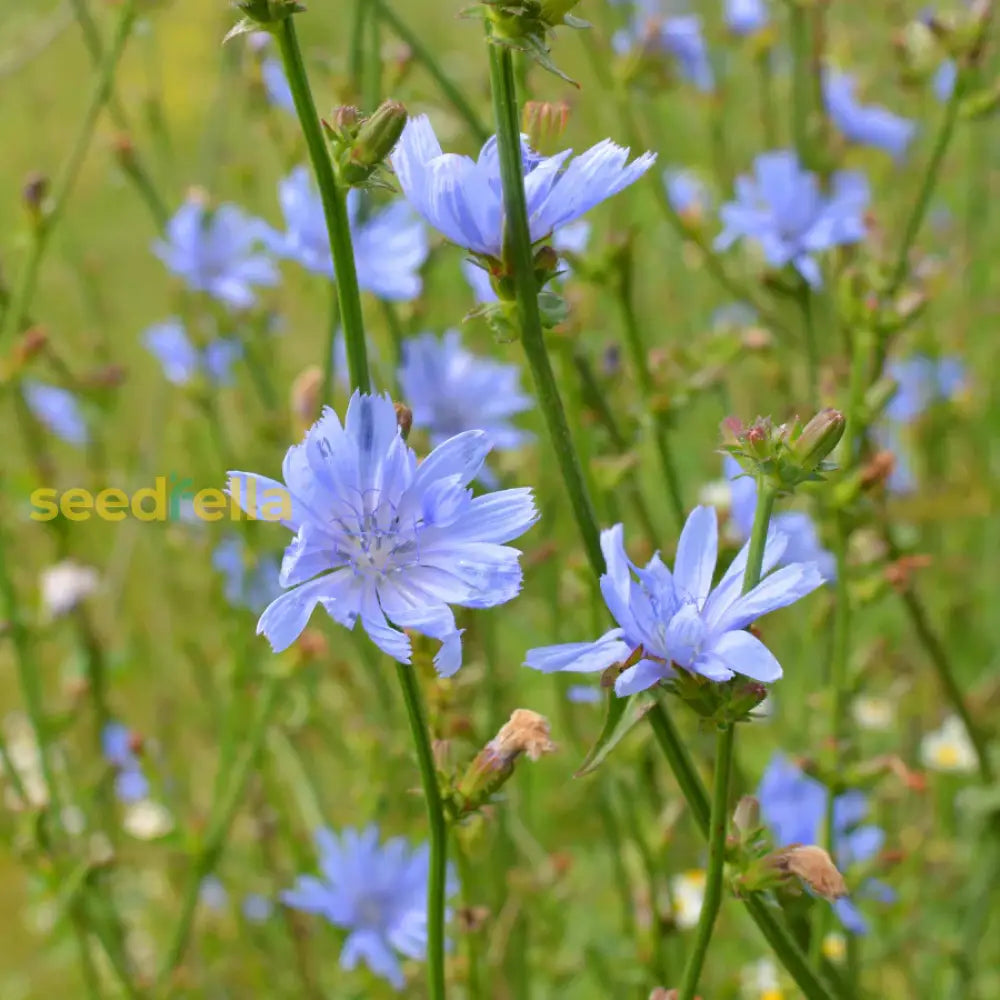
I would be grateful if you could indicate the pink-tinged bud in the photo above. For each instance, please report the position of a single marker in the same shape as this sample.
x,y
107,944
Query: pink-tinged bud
x,y
404,418
818,438
344,118
544,122
814,866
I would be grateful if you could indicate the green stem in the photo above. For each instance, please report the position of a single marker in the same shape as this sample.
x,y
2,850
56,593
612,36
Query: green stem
x,y
437,872
473,935
640,362
424,55
807,305
219,822
333,322
765,85
919,210
334,200
23,293
716,862
798,30
725,742
594,398
132,166
517,251
356,61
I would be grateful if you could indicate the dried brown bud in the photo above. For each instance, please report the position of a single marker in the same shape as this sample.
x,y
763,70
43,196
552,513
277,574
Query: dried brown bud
x,y
136,742
404,417
815,867
898,574
36,187
544,121
878,470
305,401
472,918
525,732
311,645
32,343
345,117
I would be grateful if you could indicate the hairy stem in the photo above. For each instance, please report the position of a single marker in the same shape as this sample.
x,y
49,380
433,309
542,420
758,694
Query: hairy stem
x,y
334,199
437,872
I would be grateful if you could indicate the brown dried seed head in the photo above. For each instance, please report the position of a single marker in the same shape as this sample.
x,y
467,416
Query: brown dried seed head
x,y
525,732
815,867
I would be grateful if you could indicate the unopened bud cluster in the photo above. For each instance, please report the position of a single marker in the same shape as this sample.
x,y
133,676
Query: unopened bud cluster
x,y
262,15
361,144
785,454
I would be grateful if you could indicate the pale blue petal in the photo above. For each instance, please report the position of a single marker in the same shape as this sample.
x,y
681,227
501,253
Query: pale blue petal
x,y
579,657
745,654
697,553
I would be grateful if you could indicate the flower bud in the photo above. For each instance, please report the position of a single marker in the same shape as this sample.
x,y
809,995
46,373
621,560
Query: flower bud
x,y
554,11
526,732
544,121
818,438
35,191
374,141
814,866
305,401
746,818
404,418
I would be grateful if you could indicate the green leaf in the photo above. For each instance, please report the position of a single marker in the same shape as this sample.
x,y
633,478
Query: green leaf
x,y
622,716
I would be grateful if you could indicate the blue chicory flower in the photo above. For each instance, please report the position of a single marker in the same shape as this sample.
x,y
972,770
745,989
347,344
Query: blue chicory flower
x,y
256,909
680,37
583,694
783,210
116,744
57,410
276,85
744,17
865,124
182,361
462,197
685,191
247,584
944,80
679,619
451,390
218,251
920,382
794,806
400,541
378,893
802,540
390,245
212,893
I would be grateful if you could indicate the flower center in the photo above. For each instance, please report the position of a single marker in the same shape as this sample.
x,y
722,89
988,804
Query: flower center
x,y
373,542
369,911
685,635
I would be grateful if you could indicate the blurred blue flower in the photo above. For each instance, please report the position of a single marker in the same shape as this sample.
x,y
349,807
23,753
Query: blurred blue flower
x,y
686,192
57,410
182,361
651,32
402,541
743,17
865,124
212,893
783,210
572,239
218,251
390,245
378,893
944,80
276,85
733,315
802,540
920,382
116,744
451,390
256,908
247,584
794,806
462,198
583,694
679,619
